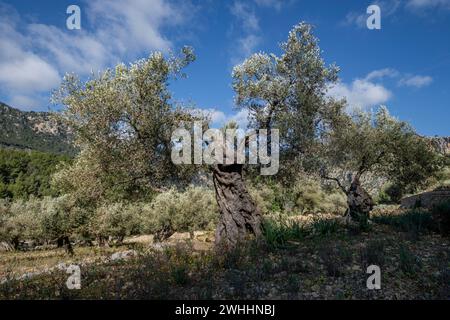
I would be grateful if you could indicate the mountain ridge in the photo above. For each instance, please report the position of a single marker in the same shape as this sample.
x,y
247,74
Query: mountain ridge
x,y
30,130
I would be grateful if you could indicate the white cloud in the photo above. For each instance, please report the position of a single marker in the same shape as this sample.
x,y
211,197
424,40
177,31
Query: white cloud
x,y
241,118
276,4
415,81
219,118
361,93
28,73
34,56
369,91
425,4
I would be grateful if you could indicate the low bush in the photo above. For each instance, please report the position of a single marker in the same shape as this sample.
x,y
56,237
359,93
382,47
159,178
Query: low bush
x,y
117,220
193,209
306,195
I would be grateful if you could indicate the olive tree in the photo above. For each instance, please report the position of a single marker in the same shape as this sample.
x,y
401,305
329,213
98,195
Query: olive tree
x,y
123,119
288,93
358,144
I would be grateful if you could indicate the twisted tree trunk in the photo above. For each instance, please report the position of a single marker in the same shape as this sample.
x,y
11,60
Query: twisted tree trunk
x,y
359,201
239,216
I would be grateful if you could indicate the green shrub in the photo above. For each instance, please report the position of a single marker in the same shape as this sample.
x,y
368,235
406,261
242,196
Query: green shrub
x,y
25,221
391,194
117,220
306,195
193,209
311,197
41,220
4,216
265,198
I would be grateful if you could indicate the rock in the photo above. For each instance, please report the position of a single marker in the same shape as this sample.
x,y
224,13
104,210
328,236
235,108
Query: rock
x,y
441,144
199,233
158,246
139,239
179,236
201,246
4,246
27,275
426,199
61,266
123,255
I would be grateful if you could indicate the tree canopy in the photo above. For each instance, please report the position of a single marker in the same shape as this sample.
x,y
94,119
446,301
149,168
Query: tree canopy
x,y
123,120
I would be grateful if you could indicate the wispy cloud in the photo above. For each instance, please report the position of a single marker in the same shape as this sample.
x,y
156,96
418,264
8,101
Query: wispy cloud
x,y
275,4
359,18
34,56
427,4
382,73
415,81
391,7
248,24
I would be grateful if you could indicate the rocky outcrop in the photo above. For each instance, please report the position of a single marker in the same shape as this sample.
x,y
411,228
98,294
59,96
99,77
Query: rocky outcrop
x,y
28,130
426,200
442,144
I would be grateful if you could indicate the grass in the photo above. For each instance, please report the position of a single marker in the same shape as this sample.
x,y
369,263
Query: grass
x,y
373,253
415,222
409,262
280,233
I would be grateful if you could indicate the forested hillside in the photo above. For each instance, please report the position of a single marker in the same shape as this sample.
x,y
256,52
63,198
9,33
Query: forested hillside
x,y
27,173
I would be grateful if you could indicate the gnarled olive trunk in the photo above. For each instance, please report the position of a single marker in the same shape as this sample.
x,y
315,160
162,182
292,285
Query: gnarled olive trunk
x,y
359,201
239,216
64,241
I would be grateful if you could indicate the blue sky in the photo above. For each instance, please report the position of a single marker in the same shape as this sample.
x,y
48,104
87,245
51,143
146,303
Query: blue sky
x,y
405,65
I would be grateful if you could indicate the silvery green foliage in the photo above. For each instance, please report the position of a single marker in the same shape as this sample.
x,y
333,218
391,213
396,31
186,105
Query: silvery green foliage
x,y
287,91
123,118
376,146
192,209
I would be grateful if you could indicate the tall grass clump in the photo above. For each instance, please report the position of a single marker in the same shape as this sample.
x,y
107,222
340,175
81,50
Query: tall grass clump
x,y
277,232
